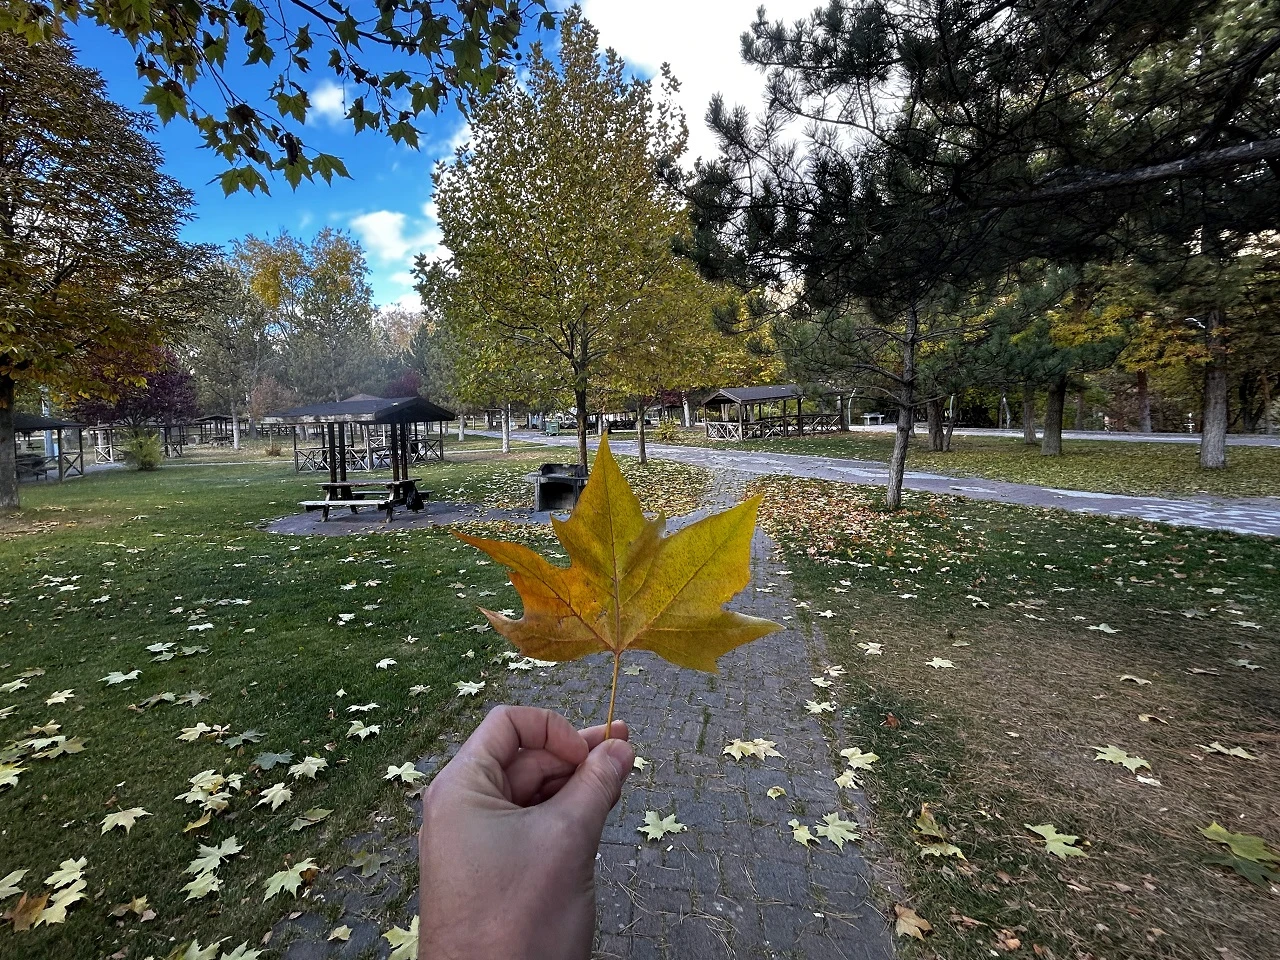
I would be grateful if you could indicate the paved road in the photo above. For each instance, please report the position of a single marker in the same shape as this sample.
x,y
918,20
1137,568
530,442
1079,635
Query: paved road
x,y
1233,439
1251,515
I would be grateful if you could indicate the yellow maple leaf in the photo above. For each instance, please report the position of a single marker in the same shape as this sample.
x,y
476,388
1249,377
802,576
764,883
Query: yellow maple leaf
x,y
629,587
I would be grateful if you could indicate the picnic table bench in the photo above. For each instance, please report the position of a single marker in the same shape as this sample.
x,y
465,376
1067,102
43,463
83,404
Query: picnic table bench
x,y
383,495
33,466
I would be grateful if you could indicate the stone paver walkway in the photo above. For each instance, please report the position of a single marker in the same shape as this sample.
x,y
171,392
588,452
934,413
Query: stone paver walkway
x,y
1252,515
735,884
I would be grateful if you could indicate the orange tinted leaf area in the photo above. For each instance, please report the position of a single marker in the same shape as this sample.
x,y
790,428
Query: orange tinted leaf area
x,y
629,586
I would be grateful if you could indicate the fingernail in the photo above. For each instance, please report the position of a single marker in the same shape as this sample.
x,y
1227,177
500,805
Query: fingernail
x,y
621,756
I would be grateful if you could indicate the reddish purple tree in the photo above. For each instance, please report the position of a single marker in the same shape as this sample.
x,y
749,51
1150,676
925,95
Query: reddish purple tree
x,y
167,397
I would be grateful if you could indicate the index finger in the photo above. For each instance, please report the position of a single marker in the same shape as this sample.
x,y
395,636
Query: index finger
x,y
507,730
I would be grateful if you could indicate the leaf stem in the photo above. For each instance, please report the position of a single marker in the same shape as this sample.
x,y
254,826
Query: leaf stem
x,y
608,724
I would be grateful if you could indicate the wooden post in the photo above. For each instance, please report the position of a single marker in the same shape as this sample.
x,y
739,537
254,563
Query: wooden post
x,y
331,448
800,415
342,451
404,451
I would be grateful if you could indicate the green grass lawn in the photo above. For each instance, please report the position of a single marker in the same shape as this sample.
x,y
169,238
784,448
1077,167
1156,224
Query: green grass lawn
x,y
1050,635
1098,465
170,574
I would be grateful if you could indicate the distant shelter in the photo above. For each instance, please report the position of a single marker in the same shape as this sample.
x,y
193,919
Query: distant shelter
x,y
365,433
757,413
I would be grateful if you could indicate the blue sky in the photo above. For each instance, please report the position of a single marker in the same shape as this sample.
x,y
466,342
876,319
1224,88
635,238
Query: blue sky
x,y
386,204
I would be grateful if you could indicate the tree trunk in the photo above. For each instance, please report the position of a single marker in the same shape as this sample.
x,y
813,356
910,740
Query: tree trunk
x,y
933,411
1006,417
580,413
906,414
1028,413
8,452
1213,426
1266,403
951,427
506,428
688,413
640,428
1051,446
235,428
1144,403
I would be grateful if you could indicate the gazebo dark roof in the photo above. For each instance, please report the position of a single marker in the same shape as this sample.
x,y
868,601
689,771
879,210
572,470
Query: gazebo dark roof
x,y
31,423
726,395
366,409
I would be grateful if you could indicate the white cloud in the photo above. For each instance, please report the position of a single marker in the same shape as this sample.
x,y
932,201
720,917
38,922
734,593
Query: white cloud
x,y
328,102
389,236
701,41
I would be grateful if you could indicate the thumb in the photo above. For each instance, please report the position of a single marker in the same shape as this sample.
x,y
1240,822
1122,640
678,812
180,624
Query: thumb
x,y
595,786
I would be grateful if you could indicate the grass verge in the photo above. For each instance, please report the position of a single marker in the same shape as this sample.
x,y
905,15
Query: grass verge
x,y
1011,644
1103,466
170,574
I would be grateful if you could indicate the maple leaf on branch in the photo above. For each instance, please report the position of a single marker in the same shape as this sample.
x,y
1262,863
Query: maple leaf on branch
x,y
629,587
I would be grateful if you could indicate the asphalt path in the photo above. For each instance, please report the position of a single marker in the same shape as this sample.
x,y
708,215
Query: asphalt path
x,y
1259,516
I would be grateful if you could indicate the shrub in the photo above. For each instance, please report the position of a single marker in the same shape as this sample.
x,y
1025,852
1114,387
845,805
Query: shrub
x,y
667,431
144,450
273,448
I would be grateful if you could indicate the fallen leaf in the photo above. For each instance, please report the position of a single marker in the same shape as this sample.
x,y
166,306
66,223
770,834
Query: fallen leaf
x,y
858,760
310,818
404,943
342,933
639,762
268,760
26,911
359,729
1243,845
405,772
655,827
123,818
115,677
1113,754
468,688
773,793
308,767
288,881
837,830
847,780
9,883
939,664
1216,747
800,833
368,863
1105,628
242,952
908,923
1132,679
68,872
276,795
1061,845
203,885
814,707
758,748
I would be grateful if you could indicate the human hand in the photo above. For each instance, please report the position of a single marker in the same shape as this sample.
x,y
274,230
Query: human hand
x,y
510,830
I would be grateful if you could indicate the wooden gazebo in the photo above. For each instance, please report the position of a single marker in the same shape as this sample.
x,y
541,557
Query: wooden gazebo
x,y
35,466
366,433
739,413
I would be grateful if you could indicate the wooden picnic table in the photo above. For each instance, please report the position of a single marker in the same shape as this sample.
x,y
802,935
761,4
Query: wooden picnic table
x,y
351,493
